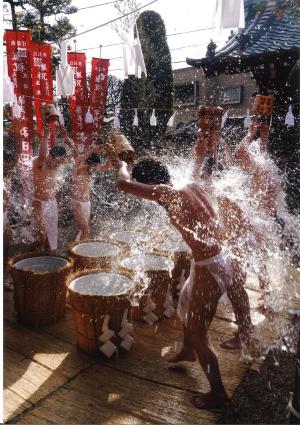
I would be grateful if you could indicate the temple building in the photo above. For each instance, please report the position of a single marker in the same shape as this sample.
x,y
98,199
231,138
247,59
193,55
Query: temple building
x,y
268,48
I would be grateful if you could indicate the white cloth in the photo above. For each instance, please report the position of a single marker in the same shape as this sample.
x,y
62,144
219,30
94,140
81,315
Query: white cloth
x,y
8,86
229,14
85,212
218,266
64,75
85,208
50,217
64,81
133,58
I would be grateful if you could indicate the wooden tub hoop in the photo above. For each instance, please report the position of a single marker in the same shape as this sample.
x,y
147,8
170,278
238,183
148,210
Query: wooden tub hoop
x,y
89,305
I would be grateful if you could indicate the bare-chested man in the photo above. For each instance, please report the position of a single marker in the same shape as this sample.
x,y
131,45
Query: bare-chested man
x,y
45,170
235,225
265,184
82,180
190,211
244,236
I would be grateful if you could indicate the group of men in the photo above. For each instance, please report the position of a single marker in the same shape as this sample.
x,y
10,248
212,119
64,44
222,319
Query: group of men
x,y
46,169
212,273
190,210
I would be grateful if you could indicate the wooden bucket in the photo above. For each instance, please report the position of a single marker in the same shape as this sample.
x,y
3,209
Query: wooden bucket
x,y
122,148
94,295
96,254
40,287
153,276
210,118
181,255
263,105
130,239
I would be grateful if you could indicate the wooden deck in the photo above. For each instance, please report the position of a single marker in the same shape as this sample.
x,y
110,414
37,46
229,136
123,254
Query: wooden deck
x,y
47,380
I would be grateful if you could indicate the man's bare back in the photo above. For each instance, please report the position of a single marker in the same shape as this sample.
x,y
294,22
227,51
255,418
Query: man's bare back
x,y
190,212
81,182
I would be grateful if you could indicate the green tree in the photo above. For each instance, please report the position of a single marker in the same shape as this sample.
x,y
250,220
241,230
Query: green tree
x,y
36,20
152,92
14,15
114,90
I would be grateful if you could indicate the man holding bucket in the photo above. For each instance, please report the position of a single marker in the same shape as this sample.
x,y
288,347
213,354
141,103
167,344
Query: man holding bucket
x,y
46,169
85,166
190,211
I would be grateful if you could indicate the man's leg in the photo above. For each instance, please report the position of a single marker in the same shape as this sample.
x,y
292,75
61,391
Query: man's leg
x,y
241,307
40,226
82,219
50,215
187,353
203,305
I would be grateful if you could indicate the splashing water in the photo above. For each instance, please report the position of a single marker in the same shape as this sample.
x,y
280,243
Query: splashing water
x,y
114,211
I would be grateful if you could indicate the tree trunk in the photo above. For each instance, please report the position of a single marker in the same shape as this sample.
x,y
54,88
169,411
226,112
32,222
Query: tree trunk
x,y
42,30
13,16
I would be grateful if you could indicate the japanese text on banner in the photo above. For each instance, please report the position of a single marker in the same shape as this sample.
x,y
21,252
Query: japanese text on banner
x,y
98,94
18,64
42,86
78,101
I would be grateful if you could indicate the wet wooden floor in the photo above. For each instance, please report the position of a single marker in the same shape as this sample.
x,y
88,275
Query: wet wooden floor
x,y
47,380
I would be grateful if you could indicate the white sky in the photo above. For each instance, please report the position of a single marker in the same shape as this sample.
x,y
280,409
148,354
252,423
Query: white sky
x,y
179,16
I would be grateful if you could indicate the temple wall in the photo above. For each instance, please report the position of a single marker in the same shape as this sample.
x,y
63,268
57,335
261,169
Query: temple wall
x,y
210,92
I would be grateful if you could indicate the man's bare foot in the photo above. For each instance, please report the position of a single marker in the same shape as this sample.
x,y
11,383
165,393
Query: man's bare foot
x,y
233,343
208,400
183,356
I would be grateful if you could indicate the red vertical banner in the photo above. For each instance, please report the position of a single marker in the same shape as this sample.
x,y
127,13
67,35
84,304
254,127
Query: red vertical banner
x,y
78,102
18,64
41,72
98,93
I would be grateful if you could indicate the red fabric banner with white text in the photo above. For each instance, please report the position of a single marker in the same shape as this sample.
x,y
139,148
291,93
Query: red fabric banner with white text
x,y
98,92
18,64
41,72
78,102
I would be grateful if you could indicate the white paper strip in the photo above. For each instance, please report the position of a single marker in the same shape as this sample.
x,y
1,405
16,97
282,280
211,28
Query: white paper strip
x,y
108,349
153,120
247,120
289,118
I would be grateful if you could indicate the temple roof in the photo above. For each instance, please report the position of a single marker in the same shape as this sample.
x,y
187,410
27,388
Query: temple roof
x,y
273,31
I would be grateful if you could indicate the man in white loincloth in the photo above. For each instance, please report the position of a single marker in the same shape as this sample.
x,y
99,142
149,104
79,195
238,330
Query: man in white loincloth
x,y
247,238
82,179
190,211
46,169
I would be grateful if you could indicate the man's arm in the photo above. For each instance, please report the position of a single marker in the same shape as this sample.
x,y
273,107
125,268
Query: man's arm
x,y
200,152
227,152
43,150
69,142
105,167
243,158
124,182
264,134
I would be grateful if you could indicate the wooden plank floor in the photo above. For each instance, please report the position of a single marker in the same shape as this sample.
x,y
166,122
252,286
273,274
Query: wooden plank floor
x,y
47,380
